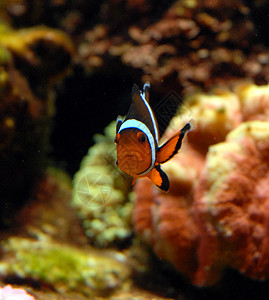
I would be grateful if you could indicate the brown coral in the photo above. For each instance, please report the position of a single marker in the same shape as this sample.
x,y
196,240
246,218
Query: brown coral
x,y
216,214
23,147
195,44
26,108
213,42
41,54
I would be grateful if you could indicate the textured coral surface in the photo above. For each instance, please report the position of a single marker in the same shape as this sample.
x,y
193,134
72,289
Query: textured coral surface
x,y
216,215
51,262
100,194
47,249
192,45
231,202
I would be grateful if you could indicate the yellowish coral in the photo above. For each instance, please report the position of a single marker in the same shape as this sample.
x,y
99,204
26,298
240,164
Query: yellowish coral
x,y
259,131
218,166
38,52
18,41
215,110
100,194
254,102
214,116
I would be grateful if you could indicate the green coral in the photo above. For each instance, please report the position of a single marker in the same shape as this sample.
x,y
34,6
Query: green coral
x,y
101,194
65,268
4,56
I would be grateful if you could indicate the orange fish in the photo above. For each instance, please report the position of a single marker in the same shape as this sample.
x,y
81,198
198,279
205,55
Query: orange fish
x,y
137,139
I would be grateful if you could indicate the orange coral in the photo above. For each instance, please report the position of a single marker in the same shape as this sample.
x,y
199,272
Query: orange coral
x,y
166,220
216,214
232,205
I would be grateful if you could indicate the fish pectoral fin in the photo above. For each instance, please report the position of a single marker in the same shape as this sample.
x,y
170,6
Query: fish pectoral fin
x,y
159,178
133,182
171,147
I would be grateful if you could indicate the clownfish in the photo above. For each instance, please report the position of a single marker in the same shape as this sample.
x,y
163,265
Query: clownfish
x,y
137,137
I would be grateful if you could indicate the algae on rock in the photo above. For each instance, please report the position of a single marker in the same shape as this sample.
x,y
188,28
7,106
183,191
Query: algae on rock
x,y
65,268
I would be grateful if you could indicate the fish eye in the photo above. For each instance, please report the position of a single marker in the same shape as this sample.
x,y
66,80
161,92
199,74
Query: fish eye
x,y
141,137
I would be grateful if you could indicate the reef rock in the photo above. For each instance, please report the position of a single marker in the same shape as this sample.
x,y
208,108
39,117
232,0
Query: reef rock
x,y
189,45
27,75
215,215
49,211
65,269
47,253
41,54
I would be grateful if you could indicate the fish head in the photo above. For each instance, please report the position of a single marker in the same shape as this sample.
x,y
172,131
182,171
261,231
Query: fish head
x,y
134,154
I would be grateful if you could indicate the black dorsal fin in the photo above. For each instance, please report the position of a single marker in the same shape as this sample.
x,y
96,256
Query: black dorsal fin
x,y
141,110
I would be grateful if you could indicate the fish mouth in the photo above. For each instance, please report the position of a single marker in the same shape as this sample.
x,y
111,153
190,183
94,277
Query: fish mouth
x,y
133,155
